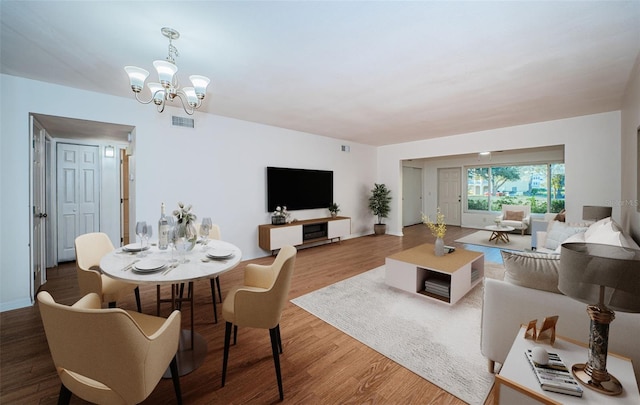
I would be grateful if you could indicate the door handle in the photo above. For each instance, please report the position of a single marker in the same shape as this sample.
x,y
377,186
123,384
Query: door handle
x,y
42,215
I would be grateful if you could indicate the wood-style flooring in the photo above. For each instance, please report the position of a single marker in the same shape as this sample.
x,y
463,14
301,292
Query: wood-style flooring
x,y
320,364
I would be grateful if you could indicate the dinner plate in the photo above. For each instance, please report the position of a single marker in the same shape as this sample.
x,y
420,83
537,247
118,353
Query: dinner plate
x,y
134,247
220,254
149,265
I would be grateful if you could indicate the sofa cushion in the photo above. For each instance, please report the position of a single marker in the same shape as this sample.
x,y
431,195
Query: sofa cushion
x,y
559,232
514,216
532,270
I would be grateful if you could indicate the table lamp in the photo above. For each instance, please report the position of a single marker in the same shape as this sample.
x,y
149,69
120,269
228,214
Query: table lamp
x,y
606,278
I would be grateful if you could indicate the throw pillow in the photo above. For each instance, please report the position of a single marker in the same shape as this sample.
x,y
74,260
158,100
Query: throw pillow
x,y
558,232
532,270
514,215
561,217
607,235
594,228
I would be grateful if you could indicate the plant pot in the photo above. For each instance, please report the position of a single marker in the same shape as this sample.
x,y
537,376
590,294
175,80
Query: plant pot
x,y
380,229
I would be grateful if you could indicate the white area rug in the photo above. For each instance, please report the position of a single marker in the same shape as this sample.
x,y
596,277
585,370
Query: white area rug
x,y
438,342
516,241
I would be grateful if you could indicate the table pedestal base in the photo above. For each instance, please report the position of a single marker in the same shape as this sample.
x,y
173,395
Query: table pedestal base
x,y
189,358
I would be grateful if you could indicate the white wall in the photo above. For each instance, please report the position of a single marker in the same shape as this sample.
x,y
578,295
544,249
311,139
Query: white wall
x,y
219,167
592,154
630,159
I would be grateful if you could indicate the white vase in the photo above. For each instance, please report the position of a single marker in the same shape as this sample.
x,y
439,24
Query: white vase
x,y
439,251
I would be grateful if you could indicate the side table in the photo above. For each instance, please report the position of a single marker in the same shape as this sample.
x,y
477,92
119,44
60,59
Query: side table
x,y
516,383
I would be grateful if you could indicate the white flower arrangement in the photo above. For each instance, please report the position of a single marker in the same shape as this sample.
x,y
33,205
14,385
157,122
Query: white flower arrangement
x,y
183,214
280,212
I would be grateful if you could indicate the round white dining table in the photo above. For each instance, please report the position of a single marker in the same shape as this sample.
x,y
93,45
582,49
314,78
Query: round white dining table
x,y
121,264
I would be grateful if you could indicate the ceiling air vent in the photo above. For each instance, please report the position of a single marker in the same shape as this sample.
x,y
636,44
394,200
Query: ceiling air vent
x,y
182,122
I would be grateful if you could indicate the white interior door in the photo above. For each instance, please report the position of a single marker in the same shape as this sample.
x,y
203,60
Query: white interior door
x,y
449,195
39,215
78,191
411,195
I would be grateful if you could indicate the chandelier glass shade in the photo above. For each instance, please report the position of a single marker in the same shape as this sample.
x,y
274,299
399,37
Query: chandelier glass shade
x,y
168,89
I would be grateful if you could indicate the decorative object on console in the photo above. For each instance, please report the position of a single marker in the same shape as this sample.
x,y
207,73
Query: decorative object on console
x,y
595,213
609,276
168,88
280,216
379,204
334,209
438,229
548,330
530,332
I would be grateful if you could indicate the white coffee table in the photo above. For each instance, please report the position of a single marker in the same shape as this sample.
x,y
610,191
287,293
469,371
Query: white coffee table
x,y
457,272
499,233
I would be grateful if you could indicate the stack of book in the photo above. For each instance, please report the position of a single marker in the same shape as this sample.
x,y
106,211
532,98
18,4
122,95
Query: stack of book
x,y
438,287
475,273
554,376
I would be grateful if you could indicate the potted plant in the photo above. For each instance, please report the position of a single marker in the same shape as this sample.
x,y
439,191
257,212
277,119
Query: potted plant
x,y
334,209
379,205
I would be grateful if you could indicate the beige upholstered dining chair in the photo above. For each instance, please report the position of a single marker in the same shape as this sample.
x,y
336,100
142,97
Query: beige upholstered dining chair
x,y
109,356
258,303
90,248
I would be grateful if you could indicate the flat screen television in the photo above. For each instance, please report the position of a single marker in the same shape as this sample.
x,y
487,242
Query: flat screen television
x,y
298,189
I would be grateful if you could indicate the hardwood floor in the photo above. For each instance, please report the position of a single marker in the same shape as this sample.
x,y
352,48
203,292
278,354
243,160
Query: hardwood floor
x,y
320,365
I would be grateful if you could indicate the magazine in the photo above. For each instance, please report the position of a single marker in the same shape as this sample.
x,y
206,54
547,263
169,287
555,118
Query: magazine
x,y
555,376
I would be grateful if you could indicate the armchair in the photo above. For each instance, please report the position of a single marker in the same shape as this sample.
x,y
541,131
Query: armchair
x,y
258,303
90,248
517,216
109,356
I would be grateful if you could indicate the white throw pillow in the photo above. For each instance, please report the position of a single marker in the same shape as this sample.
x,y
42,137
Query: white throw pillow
x,y
558,233
577,237
597,226
607,236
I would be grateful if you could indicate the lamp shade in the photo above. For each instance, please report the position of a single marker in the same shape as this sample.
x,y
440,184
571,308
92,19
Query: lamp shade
x,y
166,70
192,99
200,84
595,213
137,76
586,267
157,92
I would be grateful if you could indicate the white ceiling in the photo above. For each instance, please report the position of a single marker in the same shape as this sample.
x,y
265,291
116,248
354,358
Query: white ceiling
x,y
377,73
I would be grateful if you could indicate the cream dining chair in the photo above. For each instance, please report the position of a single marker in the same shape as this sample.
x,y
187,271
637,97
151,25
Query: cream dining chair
x,y
109,356
90,248
258,303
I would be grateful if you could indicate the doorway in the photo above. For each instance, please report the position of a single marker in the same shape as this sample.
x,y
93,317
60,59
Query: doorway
x,y
411,195
449,194
78,195
38,205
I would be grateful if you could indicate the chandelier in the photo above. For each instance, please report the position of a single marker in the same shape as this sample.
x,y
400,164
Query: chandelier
x,y
168,88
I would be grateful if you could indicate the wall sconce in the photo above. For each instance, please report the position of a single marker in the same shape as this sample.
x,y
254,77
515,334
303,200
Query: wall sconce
x,y
109,151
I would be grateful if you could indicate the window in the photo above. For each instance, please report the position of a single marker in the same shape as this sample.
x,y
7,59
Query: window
x,y
540,186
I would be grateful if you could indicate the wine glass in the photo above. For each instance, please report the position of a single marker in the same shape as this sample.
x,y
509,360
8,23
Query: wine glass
x,y
148,233
171,236
205,228
140,229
